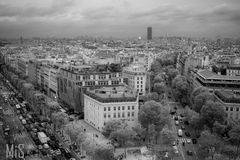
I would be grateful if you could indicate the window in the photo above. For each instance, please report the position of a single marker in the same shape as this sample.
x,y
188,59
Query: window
x,y
137,86
237,109
231,109
141,82
226,108
109,109
123,115
137,82
109,115
128,114
141,86
132,107
132,114
119,108
114,108
114,115
123,108
104,108
128,107
119,115
137,78
105,115
141,78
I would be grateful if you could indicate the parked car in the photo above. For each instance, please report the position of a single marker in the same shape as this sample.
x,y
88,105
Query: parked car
x,y
190,153
183,127
194,141
187,134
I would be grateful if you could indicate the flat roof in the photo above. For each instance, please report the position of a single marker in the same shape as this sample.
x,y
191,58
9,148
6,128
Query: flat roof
x,y
112,94
211,75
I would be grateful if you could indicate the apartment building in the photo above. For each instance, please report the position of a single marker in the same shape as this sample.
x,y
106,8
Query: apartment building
x,y
110,103
231,102
74,80
135,76
22,64
233,70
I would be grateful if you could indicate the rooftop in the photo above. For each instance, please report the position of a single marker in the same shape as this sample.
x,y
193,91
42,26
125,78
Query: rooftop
x,y
228,96
112,94
210,75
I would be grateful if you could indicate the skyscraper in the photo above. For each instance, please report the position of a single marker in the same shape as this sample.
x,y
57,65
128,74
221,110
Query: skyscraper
x,y
149,33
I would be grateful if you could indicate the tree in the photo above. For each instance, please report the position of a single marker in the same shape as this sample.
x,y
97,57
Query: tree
x,y
171,73
104,153
209,144
60,119
156,66
159,88
201,99
115,67
140,133
180,88
112,126
159,78
122,136
166,136
212,112
198,91
217,156
153,113
234,135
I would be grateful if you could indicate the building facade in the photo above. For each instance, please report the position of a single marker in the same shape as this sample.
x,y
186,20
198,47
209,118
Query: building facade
x,y
74,81
149,33
135,76
214,81
230,101
110,103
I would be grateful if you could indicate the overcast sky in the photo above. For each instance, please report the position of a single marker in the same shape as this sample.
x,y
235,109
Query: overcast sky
x,y
119,18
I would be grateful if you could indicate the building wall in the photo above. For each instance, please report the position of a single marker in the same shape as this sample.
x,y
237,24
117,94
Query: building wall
x,y
232,109
73,85
136,79
97,114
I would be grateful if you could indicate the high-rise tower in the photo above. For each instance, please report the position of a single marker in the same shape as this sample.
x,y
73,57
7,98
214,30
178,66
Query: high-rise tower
x,y
149,33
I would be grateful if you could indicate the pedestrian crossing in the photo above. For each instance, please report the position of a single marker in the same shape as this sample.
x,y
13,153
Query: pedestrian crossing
x,y
183,140
20,135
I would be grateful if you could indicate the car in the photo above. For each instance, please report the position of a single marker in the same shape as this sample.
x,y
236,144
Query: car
x,y
20,117
188,140
67,155
183,127
194,141
187,134
46,146
176,123
190,153
40,147
186,122
58,152
174,143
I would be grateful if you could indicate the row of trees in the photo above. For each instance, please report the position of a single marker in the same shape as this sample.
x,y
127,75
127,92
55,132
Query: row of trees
x,y
219,136
48,109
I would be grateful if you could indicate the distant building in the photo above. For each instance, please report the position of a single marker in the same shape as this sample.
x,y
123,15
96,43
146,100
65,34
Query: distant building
x,y
135,76
149,33
231,102
23,66
110,103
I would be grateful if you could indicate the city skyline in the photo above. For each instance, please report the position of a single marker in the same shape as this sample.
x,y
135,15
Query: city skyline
x,y
124,18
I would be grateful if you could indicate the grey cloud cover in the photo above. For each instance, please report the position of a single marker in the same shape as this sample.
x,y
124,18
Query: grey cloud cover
x,y
119,17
